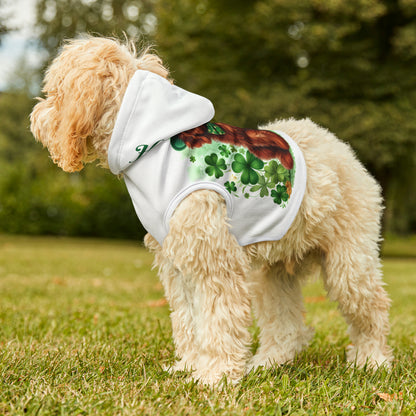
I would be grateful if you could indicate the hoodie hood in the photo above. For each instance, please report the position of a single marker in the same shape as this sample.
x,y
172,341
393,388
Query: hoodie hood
x,y
152,110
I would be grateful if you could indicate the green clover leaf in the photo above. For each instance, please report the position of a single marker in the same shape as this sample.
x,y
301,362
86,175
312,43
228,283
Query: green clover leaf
x,y
246,166
215,129
224,150
276,172
230,186
215,165
263,185
279,194
233,149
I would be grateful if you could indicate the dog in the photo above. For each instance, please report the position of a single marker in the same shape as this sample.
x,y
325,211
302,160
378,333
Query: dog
x,y
104,102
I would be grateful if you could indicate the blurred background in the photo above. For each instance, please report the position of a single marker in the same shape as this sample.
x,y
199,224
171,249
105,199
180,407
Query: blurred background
x,y
348,65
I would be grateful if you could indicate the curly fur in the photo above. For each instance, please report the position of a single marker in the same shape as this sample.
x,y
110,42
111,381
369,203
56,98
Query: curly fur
x,y
84,87
210,281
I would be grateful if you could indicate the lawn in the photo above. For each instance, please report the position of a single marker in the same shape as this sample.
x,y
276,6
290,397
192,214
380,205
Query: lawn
x,y
84,329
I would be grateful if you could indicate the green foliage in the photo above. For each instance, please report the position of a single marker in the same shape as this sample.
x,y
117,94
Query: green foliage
x,y
4,27
51,202
38,198
347,65
62,19
84,330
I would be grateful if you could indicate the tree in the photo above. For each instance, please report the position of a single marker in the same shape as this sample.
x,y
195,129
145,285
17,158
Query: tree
x,y
36,197
4,27
348,65
61,19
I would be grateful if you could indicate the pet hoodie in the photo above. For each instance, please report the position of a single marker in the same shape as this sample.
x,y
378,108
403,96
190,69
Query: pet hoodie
x,y
166,147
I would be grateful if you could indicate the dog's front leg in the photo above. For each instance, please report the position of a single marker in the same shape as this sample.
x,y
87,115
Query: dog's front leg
x,y
180,294
211,271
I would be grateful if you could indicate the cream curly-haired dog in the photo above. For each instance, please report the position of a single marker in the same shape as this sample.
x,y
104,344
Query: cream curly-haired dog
x,y
308,200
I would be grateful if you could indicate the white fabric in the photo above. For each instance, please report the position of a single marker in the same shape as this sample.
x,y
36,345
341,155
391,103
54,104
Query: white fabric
x,y
153,109
158,178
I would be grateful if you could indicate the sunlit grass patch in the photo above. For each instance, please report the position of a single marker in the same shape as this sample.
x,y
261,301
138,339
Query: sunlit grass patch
x,y
84,329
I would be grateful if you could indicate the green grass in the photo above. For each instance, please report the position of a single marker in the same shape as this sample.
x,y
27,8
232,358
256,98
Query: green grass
x,y
83,331
401,247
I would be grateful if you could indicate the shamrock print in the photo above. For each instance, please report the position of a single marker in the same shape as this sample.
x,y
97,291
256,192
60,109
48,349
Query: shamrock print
x,y
230,186
279,195
224,151
244,175
246,166
263,186
276,172
215,165
215,129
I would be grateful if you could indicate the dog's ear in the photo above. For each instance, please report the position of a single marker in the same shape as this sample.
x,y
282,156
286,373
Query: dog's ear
x,y
68,116
84,87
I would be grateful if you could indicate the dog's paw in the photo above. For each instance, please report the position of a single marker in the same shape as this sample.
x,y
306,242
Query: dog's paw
x,y
269,360
181,365
217,379
369,357
282,351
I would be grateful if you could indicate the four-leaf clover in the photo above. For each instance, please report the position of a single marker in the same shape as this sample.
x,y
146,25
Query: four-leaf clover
x,y
215,165
246,166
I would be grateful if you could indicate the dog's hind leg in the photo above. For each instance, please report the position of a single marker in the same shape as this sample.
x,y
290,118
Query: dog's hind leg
x,y
352,277
278,306
212,269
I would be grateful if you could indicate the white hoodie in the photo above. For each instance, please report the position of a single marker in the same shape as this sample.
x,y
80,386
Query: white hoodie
x,y
262,197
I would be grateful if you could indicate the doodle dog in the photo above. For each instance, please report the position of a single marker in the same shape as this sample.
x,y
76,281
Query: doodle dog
x,y
237,218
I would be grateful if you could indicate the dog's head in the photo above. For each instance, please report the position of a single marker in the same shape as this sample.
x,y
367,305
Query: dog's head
x,y
83,88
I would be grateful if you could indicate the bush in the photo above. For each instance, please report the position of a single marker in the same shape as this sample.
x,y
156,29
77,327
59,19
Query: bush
x,y
84,204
